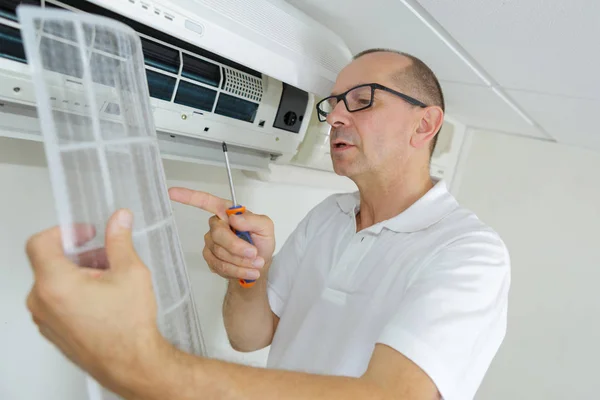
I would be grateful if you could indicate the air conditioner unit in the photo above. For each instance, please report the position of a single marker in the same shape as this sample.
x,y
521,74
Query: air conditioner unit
x,y
244,72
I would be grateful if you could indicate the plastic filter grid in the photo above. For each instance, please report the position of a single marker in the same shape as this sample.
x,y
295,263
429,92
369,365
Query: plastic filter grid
x,y
102,150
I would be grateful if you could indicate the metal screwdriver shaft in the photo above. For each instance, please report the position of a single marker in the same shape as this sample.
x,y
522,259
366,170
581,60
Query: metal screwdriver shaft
x,y
229,175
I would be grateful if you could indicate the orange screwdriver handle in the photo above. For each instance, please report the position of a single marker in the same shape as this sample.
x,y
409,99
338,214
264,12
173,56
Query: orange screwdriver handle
x,y
237,210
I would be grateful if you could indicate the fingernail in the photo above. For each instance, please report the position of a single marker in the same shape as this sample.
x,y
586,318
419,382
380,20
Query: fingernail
x,y
258,262
125,219
249,253
252,274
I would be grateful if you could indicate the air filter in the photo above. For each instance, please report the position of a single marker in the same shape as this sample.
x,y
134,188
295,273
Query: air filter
x,y
102,152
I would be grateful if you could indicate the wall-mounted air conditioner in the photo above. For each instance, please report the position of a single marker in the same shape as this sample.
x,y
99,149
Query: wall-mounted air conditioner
x,y
244,72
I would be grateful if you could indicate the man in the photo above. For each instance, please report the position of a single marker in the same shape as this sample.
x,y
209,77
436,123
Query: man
x,y
393,292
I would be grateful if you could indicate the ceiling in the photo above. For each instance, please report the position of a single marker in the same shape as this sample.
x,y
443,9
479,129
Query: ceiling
x,y
524,67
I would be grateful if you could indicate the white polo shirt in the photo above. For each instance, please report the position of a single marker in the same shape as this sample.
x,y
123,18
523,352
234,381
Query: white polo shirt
x,y
431,283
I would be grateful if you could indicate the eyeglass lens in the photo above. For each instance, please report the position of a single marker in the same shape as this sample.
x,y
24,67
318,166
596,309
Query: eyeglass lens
x,y
356,99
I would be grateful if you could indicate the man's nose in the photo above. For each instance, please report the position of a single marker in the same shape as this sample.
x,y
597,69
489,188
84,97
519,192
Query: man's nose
x,y
339,116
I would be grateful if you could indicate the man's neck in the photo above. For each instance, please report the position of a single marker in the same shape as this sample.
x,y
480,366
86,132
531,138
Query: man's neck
x,y
384,197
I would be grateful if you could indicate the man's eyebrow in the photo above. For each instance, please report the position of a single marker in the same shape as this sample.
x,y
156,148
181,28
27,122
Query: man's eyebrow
x,y
332,93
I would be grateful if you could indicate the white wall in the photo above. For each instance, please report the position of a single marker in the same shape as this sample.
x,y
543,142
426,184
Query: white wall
x,y
30,368
544,200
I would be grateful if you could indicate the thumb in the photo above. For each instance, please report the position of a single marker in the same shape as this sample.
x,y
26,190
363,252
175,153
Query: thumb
x,y
120,251
250,222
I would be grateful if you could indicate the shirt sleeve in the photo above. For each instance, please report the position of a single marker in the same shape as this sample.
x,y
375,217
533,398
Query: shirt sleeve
x,y
451,319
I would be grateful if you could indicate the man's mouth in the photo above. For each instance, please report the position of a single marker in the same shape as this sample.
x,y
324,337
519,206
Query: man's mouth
x,y
341,145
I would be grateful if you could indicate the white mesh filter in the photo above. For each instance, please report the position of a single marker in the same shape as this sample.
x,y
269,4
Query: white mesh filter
x,y
102,151
244,85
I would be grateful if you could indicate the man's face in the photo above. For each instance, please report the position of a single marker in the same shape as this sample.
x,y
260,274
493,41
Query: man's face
x,y
378,138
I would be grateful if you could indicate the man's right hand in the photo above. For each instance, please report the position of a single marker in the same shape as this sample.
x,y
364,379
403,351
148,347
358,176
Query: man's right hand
x,y
225,253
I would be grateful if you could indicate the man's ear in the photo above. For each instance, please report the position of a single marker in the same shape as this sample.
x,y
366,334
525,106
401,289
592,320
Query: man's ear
x,y
430,123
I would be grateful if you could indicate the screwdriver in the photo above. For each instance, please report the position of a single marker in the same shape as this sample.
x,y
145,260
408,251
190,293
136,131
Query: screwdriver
x,y
237,210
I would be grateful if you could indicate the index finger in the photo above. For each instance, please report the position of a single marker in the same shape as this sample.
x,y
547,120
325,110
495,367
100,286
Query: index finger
x,y
202,200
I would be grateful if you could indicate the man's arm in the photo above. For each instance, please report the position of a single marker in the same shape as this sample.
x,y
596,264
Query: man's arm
x,y
249,321
178,376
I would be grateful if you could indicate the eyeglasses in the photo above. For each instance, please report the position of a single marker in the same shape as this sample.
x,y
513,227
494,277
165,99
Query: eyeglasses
x,y
358,98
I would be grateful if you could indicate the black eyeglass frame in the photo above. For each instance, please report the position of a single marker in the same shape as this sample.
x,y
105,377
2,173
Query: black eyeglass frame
x,y
342,96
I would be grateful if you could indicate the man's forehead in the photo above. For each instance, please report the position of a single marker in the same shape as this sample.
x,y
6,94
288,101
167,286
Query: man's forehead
x,y
380,67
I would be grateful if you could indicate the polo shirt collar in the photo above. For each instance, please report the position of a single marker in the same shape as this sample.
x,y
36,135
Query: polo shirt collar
x,y
429,209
